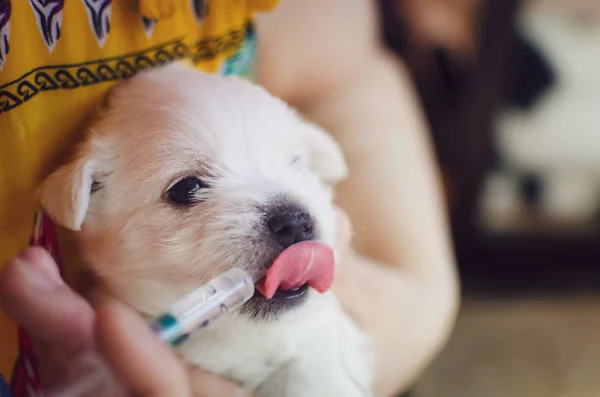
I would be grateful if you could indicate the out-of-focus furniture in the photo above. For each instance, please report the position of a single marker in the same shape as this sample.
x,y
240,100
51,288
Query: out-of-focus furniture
x,y
460,105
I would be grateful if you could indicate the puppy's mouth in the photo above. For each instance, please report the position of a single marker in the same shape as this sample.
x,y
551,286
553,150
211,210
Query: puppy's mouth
x,y
304,265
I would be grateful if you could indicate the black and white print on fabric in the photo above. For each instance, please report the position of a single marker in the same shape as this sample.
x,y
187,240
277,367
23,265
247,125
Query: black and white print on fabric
x,y
148,25
49,17
99,16
68,77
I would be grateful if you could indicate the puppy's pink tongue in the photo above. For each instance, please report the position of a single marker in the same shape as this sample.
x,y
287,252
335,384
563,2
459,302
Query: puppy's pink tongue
x,y
306,262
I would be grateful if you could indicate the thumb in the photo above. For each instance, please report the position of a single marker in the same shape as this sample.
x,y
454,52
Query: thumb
x,y
143,363
59,322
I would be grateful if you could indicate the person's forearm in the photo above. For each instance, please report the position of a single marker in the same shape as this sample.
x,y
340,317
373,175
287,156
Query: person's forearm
x,y
402,287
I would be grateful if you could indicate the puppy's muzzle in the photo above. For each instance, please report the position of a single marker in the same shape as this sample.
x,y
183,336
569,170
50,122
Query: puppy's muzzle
x,y
283,225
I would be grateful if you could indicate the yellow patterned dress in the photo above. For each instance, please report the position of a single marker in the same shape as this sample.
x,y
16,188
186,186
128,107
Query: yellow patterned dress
x,y
58,58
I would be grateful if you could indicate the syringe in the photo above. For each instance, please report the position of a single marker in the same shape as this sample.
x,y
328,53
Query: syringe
x,y
225,293
199,309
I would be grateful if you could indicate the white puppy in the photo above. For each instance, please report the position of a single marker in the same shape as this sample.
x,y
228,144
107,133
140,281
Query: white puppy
x,y
184,175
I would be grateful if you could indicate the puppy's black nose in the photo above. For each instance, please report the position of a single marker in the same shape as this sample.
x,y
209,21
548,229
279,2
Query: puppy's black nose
x,y
291,225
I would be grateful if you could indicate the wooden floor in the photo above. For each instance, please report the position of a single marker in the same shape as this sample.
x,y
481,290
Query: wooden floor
x,y
520,348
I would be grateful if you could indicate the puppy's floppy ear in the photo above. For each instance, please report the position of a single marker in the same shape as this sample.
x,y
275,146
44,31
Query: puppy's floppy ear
x,y
326,158
65,194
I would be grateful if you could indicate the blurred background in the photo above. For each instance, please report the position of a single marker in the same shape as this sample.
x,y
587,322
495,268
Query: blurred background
x,y
511,90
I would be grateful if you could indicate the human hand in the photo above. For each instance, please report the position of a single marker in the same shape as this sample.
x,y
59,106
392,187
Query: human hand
x,y
63,327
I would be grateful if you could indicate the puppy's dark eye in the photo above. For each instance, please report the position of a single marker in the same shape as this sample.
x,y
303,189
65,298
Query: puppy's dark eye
x,y
185,191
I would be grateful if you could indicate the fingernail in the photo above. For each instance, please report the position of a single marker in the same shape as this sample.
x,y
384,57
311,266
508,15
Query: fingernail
x,y
37,274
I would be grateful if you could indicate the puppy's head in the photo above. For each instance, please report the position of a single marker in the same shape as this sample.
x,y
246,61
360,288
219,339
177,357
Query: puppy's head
x,y
185,175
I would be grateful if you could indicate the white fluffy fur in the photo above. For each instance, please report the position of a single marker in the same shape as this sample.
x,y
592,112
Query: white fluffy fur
x,y
173,122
